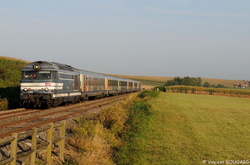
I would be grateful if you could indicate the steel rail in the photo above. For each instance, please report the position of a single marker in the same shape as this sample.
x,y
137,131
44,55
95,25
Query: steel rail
x,y
71,114
47,114
27,112
10,113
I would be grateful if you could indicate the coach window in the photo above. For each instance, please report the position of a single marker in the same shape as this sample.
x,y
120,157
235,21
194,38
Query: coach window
x,y
130,84
86,81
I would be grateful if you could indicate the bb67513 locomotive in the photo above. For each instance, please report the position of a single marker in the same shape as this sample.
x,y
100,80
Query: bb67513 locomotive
x,y
45,84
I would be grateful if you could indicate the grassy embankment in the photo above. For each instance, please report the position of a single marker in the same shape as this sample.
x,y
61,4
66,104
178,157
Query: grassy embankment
x,y
10,76
191,129
107,137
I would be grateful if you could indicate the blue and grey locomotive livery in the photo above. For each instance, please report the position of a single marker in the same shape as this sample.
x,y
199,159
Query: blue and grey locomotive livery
x,y
46,84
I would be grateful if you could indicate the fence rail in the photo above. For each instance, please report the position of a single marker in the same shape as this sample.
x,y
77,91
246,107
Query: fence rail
x,y
30,155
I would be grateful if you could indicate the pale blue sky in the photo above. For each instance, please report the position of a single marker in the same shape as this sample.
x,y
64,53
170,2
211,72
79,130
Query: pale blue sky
x,y
206,38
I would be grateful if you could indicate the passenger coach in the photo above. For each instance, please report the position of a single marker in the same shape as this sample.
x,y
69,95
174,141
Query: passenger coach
x,y
46,84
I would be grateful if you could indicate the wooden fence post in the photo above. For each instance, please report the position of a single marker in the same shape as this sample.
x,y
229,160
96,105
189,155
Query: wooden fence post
x,y
62,142
33,146
13,152
50,140
31,154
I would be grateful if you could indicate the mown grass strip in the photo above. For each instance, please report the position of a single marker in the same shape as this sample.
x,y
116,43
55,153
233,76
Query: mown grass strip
x,y
131,152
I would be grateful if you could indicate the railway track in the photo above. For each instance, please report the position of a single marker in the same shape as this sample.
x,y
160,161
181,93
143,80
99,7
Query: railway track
x,y
22,120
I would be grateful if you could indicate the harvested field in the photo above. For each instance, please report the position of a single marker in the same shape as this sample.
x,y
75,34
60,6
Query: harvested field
x,y
157,80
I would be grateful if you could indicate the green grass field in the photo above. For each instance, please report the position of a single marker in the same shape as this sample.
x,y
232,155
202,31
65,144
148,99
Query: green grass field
x,y
196,129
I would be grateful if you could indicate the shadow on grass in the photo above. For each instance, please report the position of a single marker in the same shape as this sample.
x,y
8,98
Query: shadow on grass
x,y
12,94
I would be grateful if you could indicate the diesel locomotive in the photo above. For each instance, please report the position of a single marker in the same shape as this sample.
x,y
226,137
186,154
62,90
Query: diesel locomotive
x,y
46,84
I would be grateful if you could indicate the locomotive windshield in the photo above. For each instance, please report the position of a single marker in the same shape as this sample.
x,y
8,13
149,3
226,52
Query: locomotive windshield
x,y
41,75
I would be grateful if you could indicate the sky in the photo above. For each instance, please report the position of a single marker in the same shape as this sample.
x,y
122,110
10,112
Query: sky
x,y
170,38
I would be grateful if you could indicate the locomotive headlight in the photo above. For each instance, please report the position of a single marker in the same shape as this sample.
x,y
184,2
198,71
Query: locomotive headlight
x,y
25,89
36,66
46,89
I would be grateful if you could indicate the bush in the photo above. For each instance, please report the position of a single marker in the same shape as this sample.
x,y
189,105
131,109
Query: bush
x,y
148,93
160,88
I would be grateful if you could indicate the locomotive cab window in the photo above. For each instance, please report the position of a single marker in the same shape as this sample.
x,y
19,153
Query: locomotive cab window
x,y
42,75
65,76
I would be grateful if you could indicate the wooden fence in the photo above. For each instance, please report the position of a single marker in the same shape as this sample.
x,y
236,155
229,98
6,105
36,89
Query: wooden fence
x,y
46,145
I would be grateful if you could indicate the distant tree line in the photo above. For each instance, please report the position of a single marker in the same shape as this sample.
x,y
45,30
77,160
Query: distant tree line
x,y
190,81
207,84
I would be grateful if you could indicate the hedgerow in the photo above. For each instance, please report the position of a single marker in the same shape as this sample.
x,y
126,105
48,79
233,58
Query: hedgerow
x,y
148,93
209,91
160,88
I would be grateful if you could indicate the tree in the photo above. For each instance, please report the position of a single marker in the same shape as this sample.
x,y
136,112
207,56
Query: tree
x,y
199,81
206,84
175,81
219,86
191,81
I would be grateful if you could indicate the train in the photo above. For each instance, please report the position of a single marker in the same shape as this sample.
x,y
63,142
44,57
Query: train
x,y
50,84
